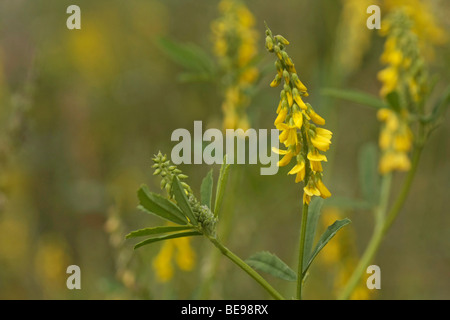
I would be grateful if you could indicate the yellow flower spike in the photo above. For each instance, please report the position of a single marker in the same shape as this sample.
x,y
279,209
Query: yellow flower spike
x,y
235,46
297,132
324,192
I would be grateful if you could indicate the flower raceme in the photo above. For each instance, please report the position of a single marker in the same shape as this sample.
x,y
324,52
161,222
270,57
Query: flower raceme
x,y
404,77
235,47
298,124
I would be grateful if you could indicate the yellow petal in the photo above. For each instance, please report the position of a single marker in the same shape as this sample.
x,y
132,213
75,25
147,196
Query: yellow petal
x,y
315,156
298,119
321,143
297,168
281,116
279,151
311,190
316,118
324,192
285,160
300,176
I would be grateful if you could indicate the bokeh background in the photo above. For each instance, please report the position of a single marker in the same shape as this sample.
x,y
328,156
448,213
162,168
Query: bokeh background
x,y
82,112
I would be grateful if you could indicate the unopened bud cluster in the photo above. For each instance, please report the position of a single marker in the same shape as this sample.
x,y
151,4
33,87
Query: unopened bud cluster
x,y
168,171
205,217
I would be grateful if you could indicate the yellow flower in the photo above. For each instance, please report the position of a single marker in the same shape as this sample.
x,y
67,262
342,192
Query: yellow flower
x,y
297,116
322,139
389,78
316,156
288,134
178,249
299,170
324,192
281,116
316,118
162,262
311,190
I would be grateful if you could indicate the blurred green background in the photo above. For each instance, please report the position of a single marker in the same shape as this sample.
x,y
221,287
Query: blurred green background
x,y
83,111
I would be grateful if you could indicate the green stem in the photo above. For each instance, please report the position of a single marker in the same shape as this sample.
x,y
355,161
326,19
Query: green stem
x,y
398,204
249,270
383,223
225,224
301,251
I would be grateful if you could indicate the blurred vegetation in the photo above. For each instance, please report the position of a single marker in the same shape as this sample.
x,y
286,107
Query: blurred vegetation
x,y
83,112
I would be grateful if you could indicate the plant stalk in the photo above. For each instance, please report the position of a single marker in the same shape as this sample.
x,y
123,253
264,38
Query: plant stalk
x,y
249,270
301,251
383,224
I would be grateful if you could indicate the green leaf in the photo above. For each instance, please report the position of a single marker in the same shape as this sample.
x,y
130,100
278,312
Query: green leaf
x,y
167,237
156,230
368,173
160,206
271,264
311,225
393,100
188,56
182,200
221,184
325,238
206,189
355,96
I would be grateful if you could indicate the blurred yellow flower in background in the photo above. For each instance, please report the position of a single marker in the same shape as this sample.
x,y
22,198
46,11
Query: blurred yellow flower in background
x,y
235,45
341,254
180,251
